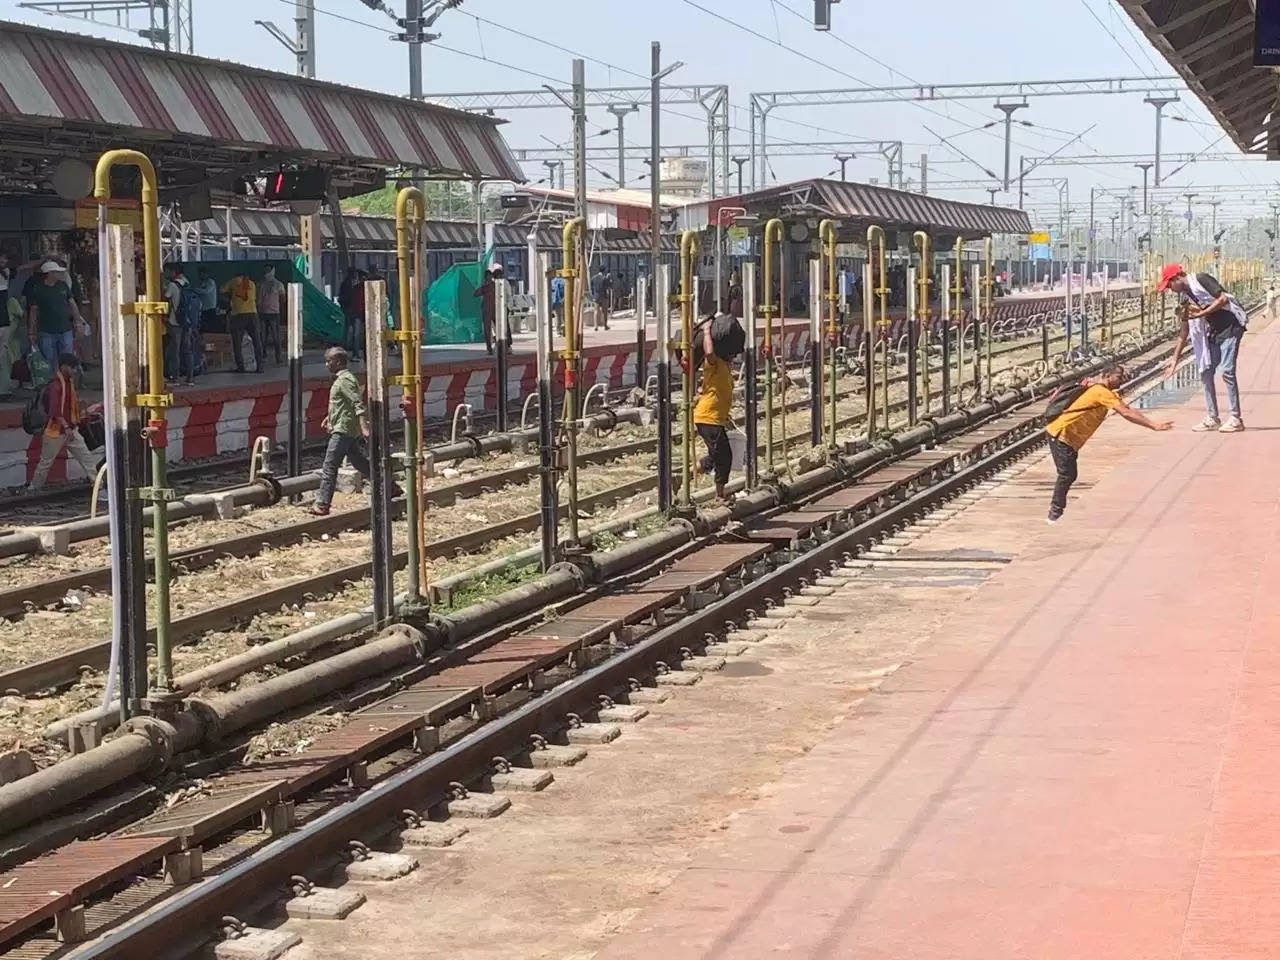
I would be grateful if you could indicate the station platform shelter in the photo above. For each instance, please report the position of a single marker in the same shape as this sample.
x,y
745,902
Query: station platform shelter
x,y
1079,761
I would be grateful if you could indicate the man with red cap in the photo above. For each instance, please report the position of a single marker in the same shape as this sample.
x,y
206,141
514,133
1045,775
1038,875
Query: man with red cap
x,y
1215,324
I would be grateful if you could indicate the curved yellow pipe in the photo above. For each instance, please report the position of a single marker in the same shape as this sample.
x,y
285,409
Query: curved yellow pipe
x,y
688,254
874,233
827,237
924,280
151,255
569,271
772,235
411,209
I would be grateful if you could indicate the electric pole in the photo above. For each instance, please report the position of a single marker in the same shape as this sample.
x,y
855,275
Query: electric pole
x,y
619,112
843,159
1008,110
1159,103
741,162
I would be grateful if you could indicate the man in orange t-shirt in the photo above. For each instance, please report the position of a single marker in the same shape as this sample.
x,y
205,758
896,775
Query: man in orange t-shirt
x,y
1069,431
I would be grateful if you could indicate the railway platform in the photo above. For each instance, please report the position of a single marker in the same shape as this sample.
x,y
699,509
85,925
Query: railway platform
x,y
1079,763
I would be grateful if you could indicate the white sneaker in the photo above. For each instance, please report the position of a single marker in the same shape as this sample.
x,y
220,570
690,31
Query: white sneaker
x,y
1207,424
1233,425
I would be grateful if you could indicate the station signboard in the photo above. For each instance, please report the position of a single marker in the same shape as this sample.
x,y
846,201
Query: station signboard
x,y
1266,33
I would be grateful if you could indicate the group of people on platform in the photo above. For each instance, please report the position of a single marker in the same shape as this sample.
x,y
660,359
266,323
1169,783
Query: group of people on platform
x,y
1214,323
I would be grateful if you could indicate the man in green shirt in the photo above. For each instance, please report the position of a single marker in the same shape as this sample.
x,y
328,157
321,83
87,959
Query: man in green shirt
x,y
50,312
347,423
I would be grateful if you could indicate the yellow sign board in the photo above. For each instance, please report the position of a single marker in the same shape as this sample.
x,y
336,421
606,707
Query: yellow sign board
x,y
1037,238
739,233
126,213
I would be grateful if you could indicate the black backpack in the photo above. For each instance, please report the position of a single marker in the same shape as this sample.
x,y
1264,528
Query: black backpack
x,y
1062,398
728,339
35,415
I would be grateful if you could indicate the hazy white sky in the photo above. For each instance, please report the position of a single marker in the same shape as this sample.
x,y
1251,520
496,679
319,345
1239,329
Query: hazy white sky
x,y
878,43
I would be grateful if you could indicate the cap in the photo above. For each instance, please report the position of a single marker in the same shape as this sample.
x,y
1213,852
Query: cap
x,y
1168,273
51,266
494,267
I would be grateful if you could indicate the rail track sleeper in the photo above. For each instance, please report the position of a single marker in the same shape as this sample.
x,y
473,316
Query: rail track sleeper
x,y
727,648
703,664
474,806
372,866
522,780
553,755
253,943
322,903
431,834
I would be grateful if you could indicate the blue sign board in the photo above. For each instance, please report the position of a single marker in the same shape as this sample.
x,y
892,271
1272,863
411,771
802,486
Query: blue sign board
x,y
1266,33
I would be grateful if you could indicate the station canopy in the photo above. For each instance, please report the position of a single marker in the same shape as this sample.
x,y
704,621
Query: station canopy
x,y
280,228
205,123
858,205
1210,44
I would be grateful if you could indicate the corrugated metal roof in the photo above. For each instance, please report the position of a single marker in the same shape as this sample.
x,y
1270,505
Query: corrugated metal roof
x,y
281,227
48,75
864,203
860,204
1210,44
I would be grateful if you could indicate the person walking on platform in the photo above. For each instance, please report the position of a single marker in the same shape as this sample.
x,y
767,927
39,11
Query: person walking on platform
x,y
1074,413
243,319
1215,324
62,429
270,309
50,312
1271,300
347,424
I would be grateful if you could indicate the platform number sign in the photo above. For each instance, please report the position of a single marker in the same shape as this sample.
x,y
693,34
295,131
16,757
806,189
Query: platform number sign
x,y
1266,33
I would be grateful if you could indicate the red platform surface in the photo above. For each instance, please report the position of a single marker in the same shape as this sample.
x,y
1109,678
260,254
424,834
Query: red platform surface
x,y
1084,764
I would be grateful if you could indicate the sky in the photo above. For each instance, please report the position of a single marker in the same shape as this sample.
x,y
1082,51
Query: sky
x,y
769,45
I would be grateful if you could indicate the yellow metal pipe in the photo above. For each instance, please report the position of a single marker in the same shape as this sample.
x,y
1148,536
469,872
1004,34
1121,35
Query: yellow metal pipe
x,y
571,232
411,209
988,285
923,281
154,312
772,235
688,254
874,233
827,234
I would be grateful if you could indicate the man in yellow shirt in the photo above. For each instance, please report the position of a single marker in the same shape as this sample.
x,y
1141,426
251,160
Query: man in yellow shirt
x,y
1069,431
711,414
242,320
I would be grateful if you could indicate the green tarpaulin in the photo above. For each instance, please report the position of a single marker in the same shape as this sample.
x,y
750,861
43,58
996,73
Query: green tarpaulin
x,y
452,307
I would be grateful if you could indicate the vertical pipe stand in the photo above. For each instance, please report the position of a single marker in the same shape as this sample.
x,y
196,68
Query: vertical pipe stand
x,y
297,415
750,401
815,352
662,304
375,293
124,455
548,475
500,322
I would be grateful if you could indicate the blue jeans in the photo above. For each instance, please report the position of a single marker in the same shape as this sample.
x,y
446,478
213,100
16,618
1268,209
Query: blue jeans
x,y
52,345
1223,354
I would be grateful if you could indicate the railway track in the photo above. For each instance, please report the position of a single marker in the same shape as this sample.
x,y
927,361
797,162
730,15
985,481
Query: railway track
x,y
502,692
68,667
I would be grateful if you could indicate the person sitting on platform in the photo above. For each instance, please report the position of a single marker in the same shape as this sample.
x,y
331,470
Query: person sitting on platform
x,y
1079,412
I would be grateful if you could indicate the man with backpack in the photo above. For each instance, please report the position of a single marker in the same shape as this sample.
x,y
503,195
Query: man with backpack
x,y
1073,414
1215,324
183,330
55,412
722,339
